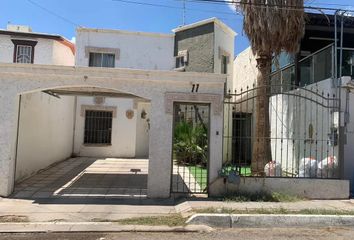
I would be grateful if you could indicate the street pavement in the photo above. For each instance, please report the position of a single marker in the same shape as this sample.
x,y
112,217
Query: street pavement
x,y
228,234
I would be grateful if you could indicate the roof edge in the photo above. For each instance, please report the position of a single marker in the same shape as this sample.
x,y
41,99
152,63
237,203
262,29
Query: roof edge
x,y
206,21
99,30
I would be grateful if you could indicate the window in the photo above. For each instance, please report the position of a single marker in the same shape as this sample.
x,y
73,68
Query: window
x,y
181,59
101,60
23,51
98,127
224,61
180,62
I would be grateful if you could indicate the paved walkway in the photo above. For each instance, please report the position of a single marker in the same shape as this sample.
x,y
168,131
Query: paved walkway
x,y
84,177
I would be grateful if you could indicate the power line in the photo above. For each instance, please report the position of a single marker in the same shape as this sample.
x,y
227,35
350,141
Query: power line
x,y
53,13
172,7
266,5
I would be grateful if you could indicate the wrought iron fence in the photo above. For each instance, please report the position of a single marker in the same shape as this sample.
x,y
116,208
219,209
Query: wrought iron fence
x,y
301,137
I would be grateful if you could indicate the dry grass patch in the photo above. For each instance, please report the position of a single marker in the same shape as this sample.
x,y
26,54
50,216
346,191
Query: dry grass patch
x,y
172,220
13,218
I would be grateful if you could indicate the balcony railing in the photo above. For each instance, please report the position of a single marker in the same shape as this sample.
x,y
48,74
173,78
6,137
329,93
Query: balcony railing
x,y
314,68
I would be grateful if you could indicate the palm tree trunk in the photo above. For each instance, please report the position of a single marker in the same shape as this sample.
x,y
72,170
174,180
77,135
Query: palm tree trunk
x,y
261,153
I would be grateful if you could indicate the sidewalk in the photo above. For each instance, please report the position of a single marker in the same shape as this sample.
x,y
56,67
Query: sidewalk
x,y
106,210
80,211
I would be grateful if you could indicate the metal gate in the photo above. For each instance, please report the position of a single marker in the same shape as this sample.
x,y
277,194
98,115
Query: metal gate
x,y
292,132
190,160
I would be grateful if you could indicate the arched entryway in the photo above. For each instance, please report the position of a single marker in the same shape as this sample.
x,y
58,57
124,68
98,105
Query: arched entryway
x,y
82,142
160,89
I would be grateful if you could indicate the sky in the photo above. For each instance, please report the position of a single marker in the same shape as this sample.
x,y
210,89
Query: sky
x,y
64,16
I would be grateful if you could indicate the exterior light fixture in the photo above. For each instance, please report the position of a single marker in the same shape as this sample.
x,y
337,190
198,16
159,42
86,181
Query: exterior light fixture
x,y
143,114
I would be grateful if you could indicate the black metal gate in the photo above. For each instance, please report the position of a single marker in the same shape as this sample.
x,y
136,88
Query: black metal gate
x,y
302,135
190,160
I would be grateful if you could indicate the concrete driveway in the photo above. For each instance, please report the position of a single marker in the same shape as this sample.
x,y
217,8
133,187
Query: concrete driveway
x,y
84,177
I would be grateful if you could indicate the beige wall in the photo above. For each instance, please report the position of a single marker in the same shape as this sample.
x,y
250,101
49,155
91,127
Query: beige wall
x,y
245,70
45,132
124,130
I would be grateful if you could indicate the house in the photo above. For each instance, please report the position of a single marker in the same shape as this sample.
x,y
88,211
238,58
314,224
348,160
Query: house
x,y
309,108
206,46
119,100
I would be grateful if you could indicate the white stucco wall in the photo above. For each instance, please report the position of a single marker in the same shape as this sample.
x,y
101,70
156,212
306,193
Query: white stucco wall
x,y
142,130
6,49
136,50
290,119
46,51
62,55
160,87
123,129
348,139
245,70
224,41
45,132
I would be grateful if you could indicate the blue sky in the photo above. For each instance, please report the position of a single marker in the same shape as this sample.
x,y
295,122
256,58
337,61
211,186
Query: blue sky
x,y
120,15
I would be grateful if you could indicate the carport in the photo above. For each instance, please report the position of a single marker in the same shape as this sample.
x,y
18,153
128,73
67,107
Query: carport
x,y
161,88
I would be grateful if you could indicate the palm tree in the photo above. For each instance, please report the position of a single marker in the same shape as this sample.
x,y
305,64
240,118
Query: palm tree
x,y
272,26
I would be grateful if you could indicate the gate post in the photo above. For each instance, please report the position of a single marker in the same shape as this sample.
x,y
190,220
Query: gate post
x,y
9,105
160,150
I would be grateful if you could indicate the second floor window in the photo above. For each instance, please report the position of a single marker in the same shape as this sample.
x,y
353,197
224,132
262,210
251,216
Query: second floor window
x,y
224,61
23,51
180,61
24,54
102,60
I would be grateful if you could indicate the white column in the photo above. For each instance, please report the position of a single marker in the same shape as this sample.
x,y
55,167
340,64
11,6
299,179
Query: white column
x,y
9,105
215,145
160,150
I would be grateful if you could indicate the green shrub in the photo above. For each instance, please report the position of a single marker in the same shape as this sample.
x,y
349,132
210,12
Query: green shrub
x,y
190,144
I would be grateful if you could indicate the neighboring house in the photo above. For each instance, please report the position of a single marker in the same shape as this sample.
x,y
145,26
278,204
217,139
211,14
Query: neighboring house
x,y
18,44
307,124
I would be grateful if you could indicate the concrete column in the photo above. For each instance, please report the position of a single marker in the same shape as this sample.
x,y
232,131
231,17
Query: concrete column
x,y
160,150
9,105
216,145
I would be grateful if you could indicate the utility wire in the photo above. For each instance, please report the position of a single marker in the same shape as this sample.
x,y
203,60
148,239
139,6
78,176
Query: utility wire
x,y
264,5
53,13
172,7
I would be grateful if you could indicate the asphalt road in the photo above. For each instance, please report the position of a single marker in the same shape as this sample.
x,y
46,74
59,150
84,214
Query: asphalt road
x,y
244,234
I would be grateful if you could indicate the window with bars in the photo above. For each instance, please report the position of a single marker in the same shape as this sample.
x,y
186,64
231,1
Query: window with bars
x,y
101,60
23,51
24,54
98,127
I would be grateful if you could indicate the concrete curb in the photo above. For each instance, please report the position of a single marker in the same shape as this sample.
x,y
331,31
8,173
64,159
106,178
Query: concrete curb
x,y
38,227
261,220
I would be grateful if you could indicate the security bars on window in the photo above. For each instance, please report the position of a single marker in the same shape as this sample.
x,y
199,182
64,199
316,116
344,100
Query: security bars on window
x,y
98,127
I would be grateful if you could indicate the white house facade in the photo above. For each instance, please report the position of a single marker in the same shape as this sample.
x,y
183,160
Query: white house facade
x,y
118,101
